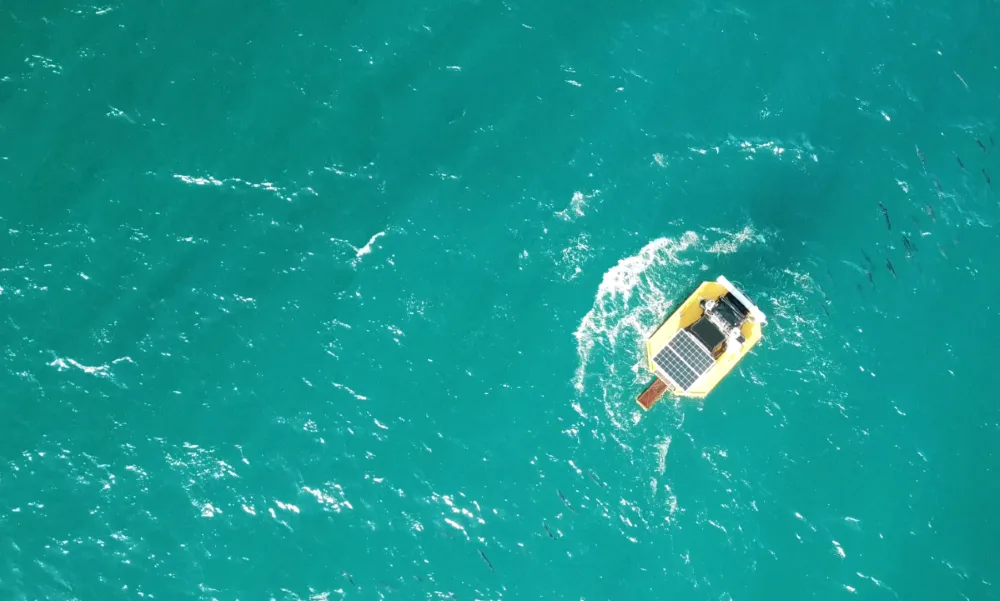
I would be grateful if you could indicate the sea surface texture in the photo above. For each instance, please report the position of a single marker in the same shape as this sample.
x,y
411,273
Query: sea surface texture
x,y
347,300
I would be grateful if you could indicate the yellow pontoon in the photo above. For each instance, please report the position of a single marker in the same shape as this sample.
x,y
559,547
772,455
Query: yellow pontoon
x,y
701,342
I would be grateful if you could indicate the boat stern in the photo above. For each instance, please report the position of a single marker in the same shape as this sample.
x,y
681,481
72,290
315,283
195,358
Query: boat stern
x,y
752,307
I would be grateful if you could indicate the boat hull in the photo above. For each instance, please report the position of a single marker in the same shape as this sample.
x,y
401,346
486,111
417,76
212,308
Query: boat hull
x,y
689,312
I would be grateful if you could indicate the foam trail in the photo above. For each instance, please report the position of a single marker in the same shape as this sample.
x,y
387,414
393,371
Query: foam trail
x,y
615,311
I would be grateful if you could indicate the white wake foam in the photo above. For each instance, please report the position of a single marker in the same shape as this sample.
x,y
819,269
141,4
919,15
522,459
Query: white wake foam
x,y
631,296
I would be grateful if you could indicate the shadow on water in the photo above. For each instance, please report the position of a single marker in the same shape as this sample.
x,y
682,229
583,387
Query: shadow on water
x,y
796,211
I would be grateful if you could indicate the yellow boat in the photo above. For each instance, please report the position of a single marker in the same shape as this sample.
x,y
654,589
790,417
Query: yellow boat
x,y
697,346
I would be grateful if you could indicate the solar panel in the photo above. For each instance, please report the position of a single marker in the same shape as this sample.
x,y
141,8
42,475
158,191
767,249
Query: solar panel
x,y
692,352
674,369
683,360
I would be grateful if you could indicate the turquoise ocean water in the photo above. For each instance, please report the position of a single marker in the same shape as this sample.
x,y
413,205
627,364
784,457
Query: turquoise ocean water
x,y
306,300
